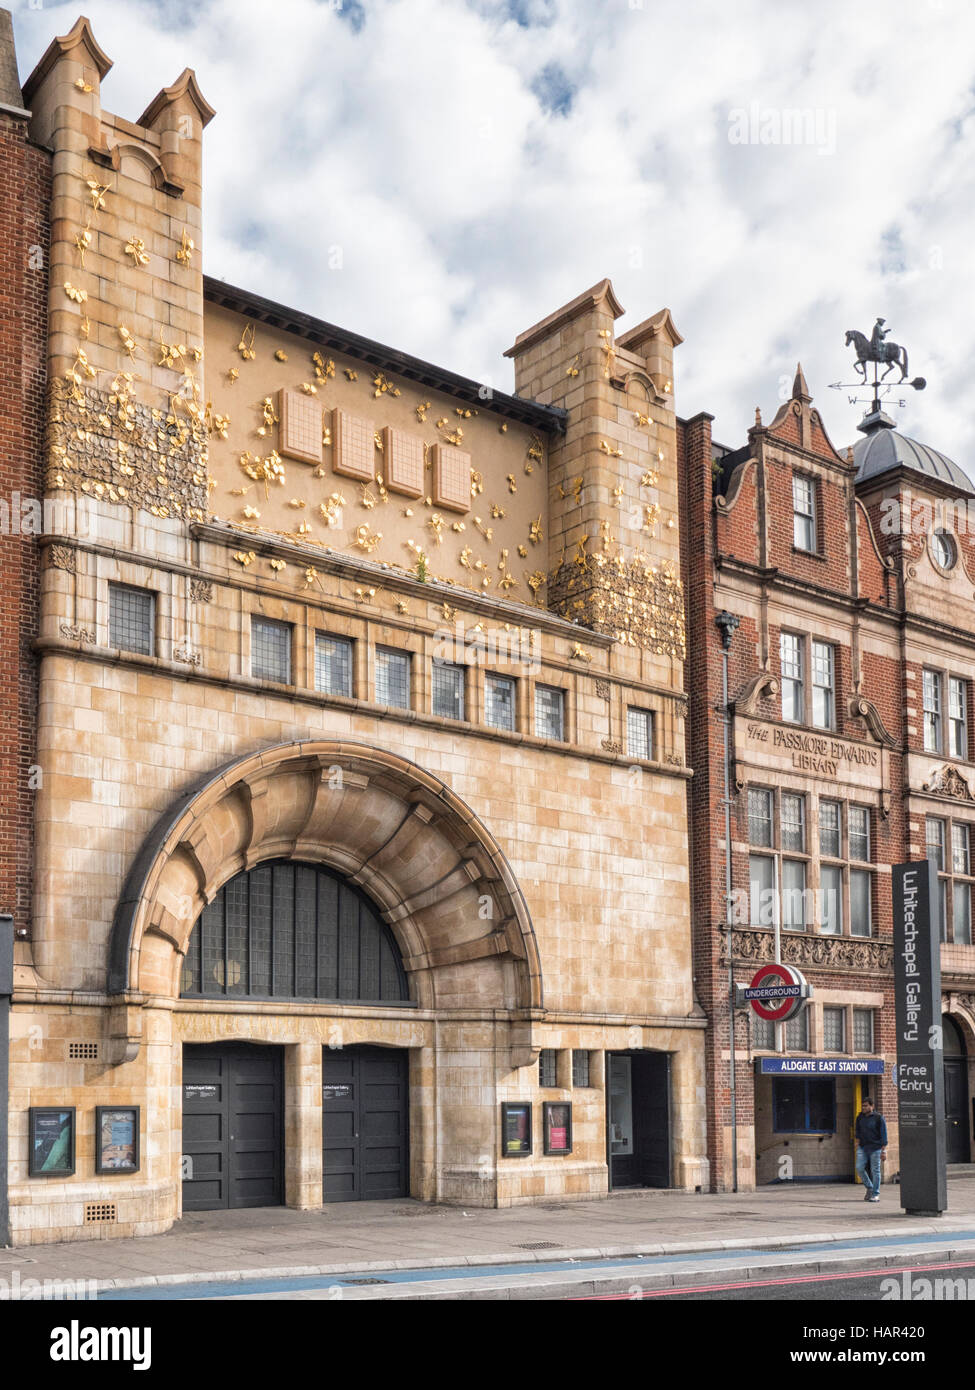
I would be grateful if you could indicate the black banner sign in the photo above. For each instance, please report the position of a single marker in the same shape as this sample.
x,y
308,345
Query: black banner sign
x,y
920,1055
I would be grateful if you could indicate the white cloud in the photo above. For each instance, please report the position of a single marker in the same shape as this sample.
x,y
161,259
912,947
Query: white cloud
x,y
409,135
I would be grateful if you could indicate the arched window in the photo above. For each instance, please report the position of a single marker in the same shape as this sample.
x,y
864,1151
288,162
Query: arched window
x,y
292,931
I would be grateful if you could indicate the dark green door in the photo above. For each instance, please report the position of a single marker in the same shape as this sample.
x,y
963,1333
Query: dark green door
x,y
233,1127
365,1124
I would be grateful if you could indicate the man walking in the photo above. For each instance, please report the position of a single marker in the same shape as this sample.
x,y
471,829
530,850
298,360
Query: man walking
x,y
871,1137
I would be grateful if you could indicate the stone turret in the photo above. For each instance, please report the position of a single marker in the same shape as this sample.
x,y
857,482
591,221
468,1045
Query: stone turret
x,y
127,400
613,544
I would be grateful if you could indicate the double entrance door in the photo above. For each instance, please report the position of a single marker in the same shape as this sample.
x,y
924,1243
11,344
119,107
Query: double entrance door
x,y
233,1125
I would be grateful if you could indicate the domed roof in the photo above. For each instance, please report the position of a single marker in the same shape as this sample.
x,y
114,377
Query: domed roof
x,y
883,449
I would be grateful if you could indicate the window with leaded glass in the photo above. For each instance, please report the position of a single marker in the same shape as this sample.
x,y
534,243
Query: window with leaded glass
x,y
287,930
549,712
803,512
790,662
823,685
931,699
859,833
271,650
759,817
448,690
548,1059
333,664
580,1067
392,678
863,1030
830,837
797,1033
834,1029
131,619
639,733
793,822
763,1033
499,702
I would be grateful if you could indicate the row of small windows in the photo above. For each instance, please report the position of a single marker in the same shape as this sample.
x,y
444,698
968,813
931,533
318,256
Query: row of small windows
x,y
779,881
840,1025
132,629
548,1068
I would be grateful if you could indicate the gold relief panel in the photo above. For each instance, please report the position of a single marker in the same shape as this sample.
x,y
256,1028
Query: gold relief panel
x,y
451,478
301,426
403,454
353,446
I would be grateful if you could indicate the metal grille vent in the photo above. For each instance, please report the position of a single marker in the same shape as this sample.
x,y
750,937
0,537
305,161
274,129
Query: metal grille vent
x,y
99,1211
79,1051
540,1245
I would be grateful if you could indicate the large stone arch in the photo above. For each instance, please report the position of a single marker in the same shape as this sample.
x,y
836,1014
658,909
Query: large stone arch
x,y
432,867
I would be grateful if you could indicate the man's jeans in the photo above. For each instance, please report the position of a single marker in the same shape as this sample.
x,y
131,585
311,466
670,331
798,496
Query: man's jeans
x,y
868,1170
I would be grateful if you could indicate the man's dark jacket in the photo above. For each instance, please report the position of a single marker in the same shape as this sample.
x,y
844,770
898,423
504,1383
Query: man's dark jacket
x,y
871,1132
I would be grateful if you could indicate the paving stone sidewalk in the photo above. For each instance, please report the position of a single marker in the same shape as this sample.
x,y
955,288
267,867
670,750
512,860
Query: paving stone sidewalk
x,y
374,1235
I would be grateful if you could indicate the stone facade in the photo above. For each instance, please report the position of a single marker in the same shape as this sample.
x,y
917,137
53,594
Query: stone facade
x,y
245,464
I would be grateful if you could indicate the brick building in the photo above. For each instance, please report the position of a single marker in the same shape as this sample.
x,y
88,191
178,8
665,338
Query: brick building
x,y
850,739
361,848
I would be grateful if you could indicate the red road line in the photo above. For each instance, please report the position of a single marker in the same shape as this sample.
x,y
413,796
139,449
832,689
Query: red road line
x,y
768,1283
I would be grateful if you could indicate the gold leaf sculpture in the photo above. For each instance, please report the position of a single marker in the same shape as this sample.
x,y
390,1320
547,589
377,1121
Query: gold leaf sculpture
x,y
497,513
232,375
642,420
246,345
268,415
72,291
136,248
128,342
245,557
83,243
365,539
436,525
512,485
277,565
96,193
185,249
309,388
579,654
572,370
280,355
351,374
608,449
82,85
535,530
323,369
384,385
477,482
649,478
421,411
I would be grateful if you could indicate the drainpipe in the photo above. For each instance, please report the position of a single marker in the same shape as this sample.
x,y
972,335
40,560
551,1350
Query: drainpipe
x,y
727,623
6,990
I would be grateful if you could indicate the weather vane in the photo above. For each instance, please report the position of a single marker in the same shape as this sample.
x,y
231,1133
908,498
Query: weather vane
x,y
880,353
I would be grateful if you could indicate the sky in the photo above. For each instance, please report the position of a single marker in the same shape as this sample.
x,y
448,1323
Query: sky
x,y
441,174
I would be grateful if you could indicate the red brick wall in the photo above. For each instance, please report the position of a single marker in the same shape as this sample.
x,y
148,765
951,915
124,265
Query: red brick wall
x,y
24,203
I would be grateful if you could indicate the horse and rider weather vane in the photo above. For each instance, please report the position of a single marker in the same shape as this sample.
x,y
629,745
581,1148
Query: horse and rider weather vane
x,y
876,351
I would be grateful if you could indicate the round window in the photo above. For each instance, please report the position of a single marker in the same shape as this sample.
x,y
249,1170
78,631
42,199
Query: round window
x,y
943,549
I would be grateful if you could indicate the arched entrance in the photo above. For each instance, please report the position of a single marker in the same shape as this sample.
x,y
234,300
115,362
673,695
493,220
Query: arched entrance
x,y
310,949
285,930
957,1149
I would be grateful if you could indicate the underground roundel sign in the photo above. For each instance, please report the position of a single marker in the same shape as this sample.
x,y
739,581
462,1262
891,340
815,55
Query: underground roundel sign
x,y
777,992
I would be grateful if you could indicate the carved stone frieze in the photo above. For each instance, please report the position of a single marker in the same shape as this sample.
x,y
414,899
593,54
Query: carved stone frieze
x,y
810,951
